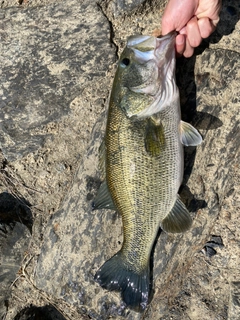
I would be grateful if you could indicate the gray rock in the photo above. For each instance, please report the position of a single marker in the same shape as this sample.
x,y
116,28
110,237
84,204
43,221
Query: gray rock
x,y
14,241
120,7
76,233
77,240
58,52
234,305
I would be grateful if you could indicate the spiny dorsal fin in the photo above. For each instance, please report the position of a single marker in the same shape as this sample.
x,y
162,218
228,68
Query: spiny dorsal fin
x,y
178,219
189,135
154,138
103,198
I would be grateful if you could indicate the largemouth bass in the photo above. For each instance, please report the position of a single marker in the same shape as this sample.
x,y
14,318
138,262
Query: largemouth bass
x,y
143,162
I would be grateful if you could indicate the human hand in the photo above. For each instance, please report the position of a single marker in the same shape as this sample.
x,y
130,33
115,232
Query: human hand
x,y
193,19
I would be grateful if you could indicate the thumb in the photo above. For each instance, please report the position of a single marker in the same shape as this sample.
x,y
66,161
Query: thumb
x,y
167,23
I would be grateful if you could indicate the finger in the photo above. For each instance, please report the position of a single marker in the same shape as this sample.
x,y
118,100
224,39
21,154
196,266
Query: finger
x,y
189,50
205,27
180,44
211,10
177,14
166,26
193,33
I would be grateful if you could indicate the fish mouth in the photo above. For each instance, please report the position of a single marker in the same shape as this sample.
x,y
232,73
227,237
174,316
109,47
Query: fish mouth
x,y
161,50
145,46
144,42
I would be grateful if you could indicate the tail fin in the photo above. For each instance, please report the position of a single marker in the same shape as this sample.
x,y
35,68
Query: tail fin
x,y
116,275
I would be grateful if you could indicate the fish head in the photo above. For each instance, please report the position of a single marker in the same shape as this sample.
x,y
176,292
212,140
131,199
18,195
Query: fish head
x,y
145,77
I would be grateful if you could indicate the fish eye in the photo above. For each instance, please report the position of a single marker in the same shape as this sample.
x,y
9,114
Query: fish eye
x,y
125,62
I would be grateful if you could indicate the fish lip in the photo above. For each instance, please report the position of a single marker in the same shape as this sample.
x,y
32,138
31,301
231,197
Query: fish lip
x,y
133,41
171,34
166,43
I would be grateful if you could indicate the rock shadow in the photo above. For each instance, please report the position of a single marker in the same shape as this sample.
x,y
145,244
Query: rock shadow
x,y
32,312
13,209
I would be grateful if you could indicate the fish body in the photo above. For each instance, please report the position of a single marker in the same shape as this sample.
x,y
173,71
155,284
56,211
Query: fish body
x,y
143,162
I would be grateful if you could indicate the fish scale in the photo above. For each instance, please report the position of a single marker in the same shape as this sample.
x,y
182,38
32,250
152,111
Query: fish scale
x,y
143,162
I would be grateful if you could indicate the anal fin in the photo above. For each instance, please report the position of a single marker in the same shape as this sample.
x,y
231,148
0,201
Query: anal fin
x,y
178,220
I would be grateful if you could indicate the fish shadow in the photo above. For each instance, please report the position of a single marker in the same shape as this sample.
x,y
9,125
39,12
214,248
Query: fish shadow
x,y
188,82
200,120
185,76
193,205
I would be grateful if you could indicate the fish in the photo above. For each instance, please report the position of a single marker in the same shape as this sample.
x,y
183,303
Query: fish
x,y
142,160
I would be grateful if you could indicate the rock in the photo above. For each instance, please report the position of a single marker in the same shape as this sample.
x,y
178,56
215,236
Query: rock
x,y
234,305
56,55
75,233
77,240
52,67
121,7
14,241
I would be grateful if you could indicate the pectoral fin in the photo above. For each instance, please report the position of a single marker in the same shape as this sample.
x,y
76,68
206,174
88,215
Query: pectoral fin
x,y
178,219
154,138
189,135
103,198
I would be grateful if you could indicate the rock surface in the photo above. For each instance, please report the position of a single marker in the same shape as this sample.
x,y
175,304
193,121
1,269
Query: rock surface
x,y
58,65
41,63
14,241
